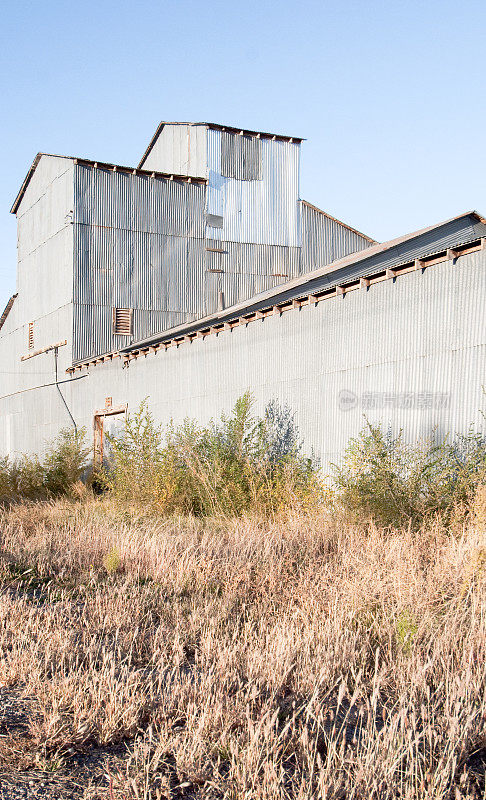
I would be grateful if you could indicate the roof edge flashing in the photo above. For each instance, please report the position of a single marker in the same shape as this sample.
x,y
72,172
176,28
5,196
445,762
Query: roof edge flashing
x,y
87,162
217,127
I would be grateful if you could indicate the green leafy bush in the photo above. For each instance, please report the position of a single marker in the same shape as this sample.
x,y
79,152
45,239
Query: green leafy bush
x,y
30,478
237,464
136,463
393,482
65,462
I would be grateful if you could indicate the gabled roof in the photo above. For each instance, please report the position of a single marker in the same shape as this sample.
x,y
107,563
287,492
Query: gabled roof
x,y
216,127
28,178
101,165
6,310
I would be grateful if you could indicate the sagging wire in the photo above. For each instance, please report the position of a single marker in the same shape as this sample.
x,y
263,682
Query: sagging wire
x,y
56,353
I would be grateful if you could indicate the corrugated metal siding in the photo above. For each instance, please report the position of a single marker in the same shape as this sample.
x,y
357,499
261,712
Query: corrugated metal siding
x,y
44,271
262,211
451,234
434,342
29,420
138,244
325,239
237,287
256,259
241,157
137,202
44,286
246,270
179,149
213,285
462,230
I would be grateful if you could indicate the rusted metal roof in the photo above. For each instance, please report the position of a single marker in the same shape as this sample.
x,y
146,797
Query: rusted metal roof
x,y
216,127
101,165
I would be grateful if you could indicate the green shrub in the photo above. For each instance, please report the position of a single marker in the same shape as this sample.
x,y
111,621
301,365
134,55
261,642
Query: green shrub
x,y
27,479
112,561
30,478
237,464
5,485
65,462
395,483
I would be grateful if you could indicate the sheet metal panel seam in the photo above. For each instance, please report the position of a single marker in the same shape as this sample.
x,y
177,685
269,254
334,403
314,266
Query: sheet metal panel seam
x,y
247,308
181,339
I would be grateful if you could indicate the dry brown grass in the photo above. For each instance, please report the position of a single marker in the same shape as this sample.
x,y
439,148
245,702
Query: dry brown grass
x,y
301,658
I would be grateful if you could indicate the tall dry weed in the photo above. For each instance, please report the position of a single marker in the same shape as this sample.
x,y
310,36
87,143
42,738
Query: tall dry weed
x,y
293,658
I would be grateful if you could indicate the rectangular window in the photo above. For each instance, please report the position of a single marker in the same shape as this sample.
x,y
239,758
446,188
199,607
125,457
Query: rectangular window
x,y
122,321
31,335
241,157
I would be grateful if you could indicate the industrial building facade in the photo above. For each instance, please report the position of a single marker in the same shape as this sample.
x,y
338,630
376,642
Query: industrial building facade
x,y
201,273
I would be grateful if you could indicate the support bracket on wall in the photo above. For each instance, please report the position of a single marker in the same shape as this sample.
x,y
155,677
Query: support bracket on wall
x,y
44,350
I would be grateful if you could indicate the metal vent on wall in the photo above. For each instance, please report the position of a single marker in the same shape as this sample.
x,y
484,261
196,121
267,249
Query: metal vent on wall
x,y
122,321
31,335
241,157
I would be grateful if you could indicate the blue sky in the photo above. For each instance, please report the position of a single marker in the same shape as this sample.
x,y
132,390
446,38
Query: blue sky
x,y
389,95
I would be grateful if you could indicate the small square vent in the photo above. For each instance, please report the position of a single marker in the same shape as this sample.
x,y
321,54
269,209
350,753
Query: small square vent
x,y
122,321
